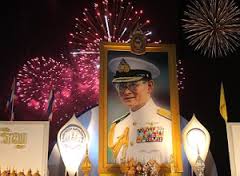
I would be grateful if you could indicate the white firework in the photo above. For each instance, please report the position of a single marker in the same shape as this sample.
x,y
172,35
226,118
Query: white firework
x,y
212,26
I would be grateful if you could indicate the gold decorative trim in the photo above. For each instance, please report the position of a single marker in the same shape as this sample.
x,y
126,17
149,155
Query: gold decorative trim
x,y
165,113
122,140
86,165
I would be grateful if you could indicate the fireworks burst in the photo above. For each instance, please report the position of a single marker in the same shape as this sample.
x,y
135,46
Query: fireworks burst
x,y
180,75
111,21
213,26
108,21
38,77
86,82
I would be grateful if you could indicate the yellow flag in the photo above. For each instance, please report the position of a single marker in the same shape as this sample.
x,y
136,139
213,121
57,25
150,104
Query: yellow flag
x,y
223,106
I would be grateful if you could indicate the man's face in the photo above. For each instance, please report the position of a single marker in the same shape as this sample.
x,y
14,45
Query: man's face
x,y
134,94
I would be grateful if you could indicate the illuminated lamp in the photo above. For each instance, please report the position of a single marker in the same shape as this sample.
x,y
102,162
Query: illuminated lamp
x,y
196,140
72,142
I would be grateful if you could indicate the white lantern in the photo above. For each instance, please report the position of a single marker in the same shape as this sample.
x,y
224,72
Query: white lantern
x,y
72,142
196,140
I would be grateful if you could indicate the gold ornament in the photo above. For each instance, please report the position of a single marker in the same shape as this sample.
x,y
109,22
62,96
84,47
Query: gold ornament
x,y
138,42
36,173
13,173
5,173
29,173
123,66
86,165
151,168
122,140
21,174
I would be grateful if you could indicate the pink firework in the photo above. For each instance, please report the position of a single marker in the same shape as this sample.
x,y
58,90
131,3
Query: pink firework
x,y
86,82
38,77
180,75
111,21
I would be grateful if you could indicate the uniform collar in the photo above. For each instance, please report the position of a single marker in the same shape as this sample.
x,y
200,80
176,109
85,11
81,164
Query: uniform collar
x,y
149,107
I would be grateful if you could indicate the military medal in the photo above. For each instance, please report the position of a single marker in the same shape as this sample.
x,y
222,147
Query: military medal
x,y
150,134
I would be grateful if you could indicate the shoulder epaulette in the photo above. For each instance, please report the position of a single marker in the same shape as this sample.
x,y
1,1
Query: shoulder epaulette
x,y
165,113
121,118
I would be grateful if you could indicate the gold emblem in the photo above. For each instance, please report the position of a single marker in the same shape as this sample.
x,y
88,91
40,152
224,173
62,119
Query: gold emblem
x,y
138,42
123,66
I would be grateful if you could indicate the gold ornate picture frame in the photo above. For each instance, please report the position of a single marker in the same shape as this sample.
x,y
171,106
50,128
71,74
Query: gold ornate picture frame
x,y
162,56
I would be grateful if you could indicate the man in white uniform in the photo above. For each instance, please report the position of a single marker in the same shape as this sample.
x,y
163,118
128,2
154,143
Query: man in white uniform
x,y
145,133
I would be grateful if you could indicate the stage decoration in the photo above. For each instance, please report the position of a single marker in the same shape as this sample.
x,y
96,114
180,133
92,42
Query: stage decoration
x,y
38,77
24,145
138,42
212,26
14,172
72,141
132,168
196,140
86,165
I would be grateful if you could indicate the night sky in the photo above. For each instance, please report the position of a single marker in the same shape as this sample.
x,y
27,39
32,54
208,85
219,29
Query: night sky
x,y
41,28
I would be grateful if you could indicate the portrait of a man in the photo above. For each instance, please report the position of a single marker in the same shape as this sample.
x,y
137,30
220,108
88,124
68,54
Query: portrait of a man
x,y
144,132
139,115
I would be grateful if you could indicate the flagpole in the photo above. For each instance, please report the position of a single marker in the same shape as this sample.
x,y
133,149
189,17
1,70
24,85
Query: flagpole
x,y
13,97
50,105
12,113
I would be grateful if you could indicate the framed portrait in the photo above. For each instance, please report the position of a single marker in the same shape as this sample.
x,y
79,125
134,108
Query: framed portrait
x,y
139,110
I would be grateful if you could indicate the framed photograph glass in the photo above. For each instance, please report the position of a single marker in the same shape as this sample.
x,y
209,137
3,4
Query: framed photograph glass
x,y
139,110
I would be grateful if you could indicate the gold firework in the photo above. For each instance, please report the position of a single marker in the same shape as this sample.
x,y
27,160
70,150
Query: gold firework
x,y
212,26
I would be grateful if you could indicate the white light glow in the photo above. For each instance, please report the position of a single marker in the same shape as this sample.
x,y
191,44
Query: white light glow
x,y
72,143
125,29
196,140
149,33
84,52
108,31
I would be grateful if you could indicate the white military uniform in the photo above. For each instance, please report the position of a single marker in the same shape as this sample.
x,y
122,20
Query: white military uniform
x,y
149,135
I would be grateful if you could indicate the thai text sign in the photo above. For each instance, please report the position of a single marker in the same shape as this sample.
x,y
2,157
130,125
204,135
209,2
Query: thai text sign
x,y
24,145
